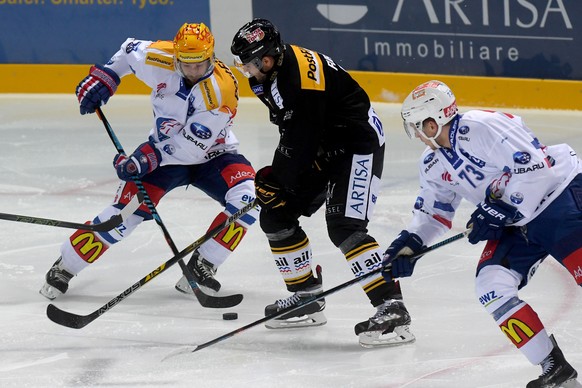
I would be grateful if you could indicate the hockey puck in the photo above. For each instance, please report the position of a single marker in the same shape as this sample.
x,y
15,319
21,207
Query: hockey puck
x,y
229,316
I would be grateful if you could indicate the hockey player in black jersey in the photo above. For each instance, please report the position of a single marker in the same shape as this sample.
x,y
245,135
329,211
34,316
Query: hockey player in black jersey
x,y
331,150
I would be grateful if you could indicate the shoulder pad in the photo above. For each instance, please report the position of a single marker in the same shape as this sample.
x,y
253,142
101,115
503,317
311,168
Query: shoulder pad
x,y
160,54
227,89
310,68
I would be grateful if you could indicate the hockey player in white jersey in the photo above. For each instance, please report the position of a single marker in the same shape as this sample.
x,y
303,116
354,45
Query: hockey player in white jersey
x,y
529,205
194,99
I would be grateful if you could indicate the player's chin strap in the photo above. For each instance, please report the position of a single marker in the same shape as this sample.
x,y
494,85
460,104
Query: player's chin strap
x,y
201,296
303,302
432,139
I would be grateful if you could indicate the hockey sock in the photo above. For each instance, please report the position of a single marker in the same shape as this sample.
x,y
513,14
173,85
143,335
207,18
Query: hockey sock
x,y
365,257
293,259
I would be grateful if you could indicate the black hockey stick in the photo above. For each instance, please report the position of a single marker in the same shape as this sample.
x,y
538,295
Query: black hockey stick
x,y
192,349
205,300
104,226
76,321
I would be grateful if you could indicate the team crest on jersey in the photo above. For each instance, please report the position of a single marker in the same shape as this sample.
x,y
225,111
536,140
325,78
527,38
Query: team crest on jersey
x,y
165,125
521,157
200,131
159,90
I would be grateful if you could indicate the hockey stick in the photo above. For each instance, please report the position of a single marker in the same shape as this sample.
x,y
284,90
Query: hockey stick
x,y
205,300
192,349
76,321
104,226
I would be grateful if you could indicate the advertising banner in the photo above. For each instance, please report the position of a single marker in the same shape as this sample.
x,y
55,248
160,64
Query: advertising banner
x,y
504,38
87,31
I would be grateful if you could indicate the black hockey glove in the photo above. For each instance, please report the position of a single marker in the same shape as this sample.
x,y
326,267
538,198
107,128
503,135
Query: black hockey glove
x,y
399,255
488,221
269,193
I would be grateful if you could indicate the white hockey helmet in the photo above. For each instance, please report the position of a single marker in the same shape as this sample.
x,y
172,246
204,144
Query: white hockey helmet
x,y
432,99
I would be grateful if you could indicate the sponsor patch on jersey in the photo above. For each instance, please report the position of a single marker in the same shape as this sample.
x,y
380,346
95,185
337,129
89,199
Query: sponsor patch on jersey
x,y
159,60
428,158
209,94
464,130
236,173
310,69
516,197
521,157
258,89
132,46
476,161
359,188
284,150
200,131
419,203
169,149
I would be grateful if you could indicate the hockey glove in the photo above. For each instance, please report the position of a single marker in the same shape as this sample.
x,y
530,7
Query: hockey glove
x,y
269,193
145,159
96,88
488,221
399,256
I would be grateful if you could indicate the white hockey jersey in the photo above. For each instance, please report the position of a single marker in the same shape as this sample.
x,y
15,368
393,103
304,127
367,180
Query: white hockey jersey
x,y
493,153
191,126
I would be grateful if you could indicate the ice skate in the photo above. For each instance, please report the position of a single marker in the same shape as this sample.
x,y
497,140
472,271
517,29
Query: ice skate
x,y
556,371
203,272
57,280
390,326
311,314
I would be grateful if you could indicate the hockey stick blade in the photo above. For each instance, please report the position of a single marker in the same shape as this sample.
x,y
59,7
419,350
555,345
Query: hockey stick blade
x,y
195,348
76,321
104,226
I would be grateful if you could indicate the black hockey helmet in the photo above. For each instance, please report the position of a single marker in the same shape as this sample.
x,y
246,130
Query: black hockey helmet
x,y
255,40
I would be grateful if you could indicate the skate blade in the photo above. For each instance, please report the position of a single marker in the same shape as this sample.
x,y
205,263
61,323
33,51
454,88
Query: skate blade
x,y
571,384
184,287
49,292
375,339
315,319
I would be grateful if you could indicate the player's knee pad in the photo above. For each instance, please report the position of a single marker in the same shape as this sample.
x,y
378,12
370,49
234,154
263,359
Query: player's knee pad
x,y
496,288
120,232
346,231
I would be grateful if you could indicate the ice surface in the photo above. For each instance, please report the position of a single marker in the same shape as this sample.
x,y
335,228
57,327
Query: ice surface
x,y
56,163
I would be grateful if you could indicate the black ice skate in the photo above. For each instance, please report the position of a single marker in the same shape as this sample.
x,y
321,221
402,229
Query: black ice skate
x,y
388,327
203,272
57,280
556,371
311,314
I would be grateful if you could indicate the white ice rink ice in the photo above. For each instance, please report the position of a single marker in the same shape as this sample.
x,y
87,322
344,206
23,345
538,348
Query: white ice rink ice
x,y
57,164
